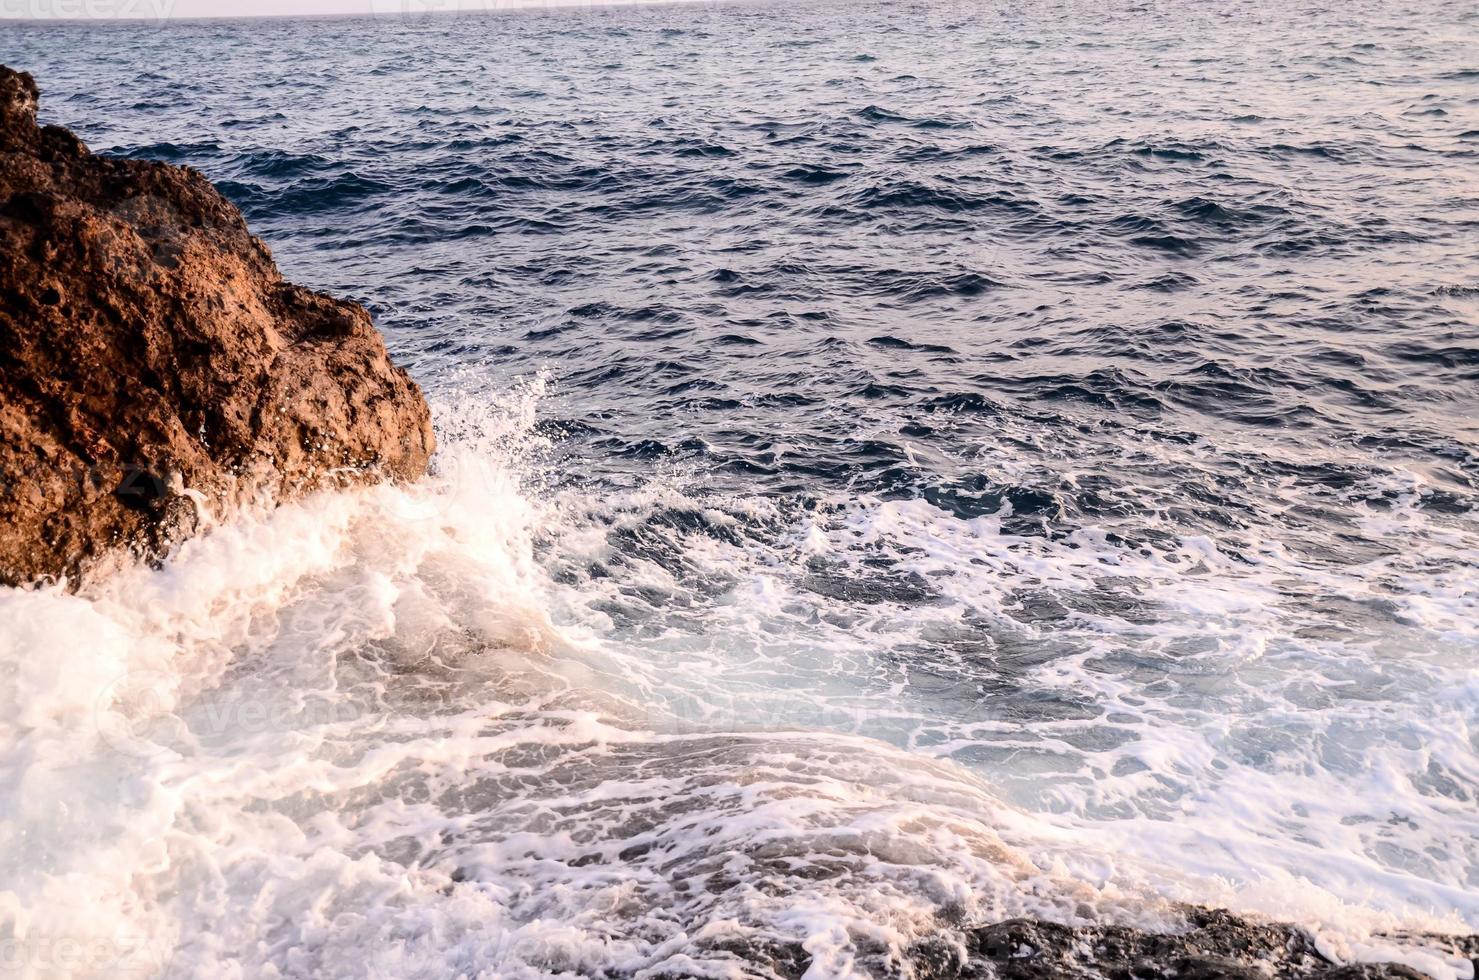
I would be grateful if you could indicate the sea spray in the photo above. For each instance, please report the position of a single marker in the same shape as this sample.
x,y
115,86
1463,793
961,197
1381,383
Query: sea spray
x,y
372,724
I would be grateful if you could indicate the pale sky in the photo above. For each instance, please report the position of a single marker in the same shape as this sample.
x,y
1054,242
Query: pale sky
x,y
168,9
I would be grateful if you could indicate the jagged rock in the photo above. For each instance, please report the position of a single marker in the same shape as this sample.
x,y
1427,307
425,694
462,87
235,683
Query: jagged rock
x,y
1207,944
1212,945
153,359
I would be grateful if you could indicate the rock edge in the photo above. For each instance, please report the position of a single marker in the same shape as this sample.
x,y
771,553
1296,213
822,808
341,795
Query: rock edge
x,y
154,362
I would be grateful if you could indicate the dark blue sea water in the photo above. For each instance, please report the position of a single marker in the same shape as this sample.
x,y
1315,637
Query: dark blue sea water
x,y
904,465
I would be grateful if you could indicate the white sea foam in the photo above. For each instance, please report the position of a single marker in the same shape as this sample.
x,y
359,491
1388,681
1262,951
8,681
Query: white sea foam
x,y
463,728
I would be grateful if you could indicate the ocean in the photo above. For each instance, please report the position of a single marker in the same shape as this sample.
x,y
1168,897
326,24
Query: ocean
x,y
903,465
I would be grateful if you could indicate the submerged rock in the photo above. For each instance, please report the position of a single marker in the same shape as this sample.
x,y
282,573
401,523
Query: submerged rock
x,y
154,361
1208,944
1212,944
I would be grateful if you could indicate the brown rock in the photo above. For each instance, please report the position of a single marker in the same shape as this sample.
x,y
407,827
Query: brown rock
x,y
149,347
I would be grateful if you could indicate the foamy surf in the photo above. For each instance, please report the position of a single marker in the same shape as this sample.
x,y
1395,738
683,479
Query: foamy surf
x,y
483,726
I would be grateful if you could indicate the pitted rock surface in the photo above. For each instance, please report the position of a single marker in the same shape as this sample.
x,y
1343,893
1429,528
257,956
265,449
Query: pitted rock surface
x,y
153,361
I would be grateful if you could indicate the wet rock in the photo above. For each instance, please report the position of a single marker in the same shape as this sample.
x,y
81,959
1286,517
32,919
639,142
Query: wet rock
x,y
1209,944
1212,944
153,360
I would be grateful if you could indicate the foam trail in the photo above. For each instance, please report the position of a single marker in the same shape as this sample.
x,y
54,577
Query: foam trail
x,y
406,731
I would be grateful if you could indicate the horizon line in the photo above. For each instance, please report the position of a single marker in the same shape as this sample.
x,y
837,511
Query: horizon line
x,y
406,9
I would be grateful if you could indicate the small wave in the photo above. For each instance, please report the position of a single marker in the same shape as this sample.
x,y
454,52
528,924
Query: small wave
x,y
897,343
814,175
876,114
916,196
1177,152
171,152
1212,212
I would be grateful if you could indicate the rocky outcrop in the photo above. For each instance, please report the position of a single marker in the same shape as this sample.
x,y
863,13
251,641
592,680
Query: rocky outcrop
x,y
153,361
1207,944
1211,945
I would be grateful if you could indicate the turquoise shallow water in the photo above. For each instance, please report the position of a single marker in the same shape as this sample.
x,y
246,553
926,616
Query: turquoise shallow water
x,y
902,462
